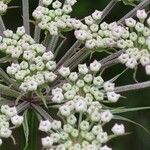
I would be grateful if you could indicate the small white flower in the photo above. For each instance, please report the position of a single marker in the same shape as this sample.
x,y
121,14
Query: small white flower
x,y
47,142
5,132
80,35
56,125
123,58
10,112
88,78
50,76
64,71
139,27
89,20
20,31
83,69
58,97
131,63
118,129
98,81
90,44
80,106
106,116
17,120
67,9
141,14
108,86
97,15
71,2
95,66
46,2
73,76
105,148
57,4
97,129
64,110
102,137
45,126
130,22
113,97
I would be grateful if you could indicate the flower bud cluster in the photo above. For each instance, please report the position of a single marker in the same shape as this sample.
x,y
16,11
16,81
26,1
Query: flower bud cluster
x,y
104,35
87,85
82,129
56,19
84,116
137,43
32,65
8,115
3,8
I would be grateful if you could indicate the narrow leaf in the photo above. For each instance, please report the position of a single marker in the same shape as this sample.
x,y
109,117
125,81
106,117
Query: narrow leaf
x,y
26,129
116,117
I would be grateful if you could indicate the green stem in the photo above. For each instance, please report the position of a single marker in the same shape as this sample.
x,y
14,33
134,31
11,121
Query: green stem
x,y
25,9
2,26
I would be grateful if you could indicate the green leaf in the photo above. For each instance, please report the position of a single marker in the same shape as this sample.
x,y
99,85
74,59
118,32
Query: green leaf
x,y
123,110
26,129
114,136
117,117
41,96
5,90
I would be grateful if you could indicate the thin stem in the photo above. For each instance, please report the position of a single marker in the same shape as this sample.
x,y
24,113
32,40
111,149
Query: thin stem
x,y
110,63
131,87
108,8
2,26
79,60
110,57
69,53
74,58
59,47
142,5
25,9
53,43
37,30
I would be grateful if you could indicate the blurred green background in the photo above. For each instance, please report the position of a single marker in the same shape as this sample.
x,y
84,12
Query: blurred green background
x,y
138,139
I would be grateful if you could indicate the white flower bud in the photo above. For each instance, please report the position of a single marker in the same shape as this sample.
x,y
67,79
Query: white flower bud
x,y
20,31
90,44
113,97
131,63
17,120
80,106
57,4
108,86
130,22
105,148
97,15
73,76
98,81
5,132
47,2
95,66
80,35
123,58
47,142
67,9
45,126
118,129
83,69
139,27
141,14
71,2
64,110
102,137
106,116
89,20
71,119
97,129
56,125
84,125
64,71
50,76
88,78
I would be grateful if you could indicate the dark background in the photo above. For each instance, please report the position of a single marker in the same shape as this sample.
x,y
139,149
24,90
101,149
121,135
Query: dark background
x,y
138,139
